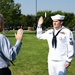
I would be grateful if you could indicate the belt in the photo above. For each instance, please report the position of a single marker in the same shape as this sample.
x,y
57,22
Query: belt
x,y
4,68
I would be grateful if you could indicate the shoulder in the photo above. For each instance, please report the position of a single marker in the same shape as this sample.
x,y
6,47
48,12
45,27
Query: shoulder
x,y
2,36
66,30
50,31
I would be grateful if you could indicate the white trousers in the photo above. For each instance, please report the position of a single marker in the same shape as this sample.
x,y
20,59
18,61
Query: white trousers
x,y
56,67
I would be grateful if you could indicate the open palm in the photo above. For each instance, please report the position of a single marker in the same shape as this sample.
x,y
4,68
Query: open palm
x,y
40,21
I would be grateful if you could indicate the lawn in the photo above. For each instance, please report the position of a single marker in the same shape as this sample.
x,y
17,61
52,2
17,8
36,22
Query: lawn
x,y
32,58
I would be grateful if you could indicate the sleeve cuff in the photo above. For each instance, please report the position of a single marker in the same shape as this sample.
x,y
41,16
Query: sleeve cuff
x,y
68,62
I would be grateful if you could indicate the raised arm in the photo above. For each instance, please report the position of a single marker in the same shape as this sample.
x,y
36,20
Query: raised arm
x,y
40,35
9,51
40,21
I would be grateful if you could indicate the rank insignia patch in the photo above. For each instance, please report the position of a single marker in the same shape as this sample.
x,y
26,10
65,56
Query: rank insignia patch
x,y
71,43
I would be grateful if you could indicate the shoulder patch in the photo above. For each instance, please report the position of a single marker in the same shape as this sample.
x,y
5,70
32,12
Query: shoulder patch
x,y
71,43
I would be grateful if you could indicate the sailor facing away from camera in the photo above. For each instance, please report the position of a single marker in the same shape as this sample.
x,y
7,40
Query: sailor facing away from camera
x,y
61,45
7,51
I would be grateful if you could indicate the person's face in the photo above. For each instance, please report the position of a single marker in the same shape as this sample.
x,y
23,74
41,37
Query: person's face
x,y
57,24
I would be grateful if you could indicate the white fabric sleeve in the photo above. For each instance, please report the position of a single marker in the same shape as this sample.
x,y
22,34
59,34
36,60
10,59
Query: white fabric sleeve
x,y
70,43
40,34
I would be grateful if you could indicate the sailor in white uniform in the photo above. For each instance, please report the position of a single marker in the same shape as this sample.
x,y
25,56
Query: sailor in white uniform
x,y
61,45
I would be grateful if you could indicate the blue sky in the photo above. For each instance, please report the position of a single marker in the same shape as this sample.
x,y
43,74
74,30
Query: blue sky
x,y
29,6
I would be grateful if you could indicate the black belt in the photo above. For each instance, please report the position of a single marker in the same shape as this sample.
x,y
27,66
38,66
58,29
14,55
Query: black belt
x,y
4,68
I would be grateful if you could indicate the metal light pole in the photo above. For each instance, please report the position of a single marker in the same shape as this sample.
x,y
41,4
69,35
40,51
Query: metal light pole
x,y
36,16
36,7
36,12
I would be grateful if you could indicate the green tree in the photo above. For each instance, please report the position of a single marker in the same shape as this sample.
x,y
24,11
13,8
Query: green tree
x,y
69,17
72,24
30,20
11,12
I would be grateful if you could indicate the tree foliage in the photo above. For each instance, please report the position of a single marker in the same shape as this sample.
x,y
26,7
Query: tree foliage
x,y
11,12
14,18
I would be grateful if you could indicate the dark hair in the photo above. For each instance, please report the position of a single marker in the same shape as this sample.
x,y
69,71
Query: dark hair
x,y
1,22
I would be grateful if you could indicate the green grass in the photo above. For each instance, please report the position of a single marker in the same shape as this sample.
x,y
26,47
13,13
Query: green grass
x,y
32,58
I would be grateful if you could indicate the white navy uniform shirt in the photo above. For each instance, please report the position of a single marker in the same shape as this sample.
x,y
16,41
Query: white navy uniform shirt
x,y
65,44
8,52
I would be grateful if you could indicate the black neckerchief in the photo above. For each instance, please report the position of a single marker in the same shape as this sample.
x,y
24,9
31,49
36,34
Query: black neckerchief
x,y
54,39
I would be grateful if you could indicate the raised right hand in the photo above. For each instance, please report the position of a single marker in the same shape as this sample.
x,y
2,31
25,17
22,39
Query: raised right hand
x,y
40,21
19,34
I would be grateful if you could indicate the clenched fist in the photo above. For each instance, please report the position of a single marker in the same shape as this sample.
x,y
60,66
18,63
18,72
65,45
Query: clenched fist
x,y
19,34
